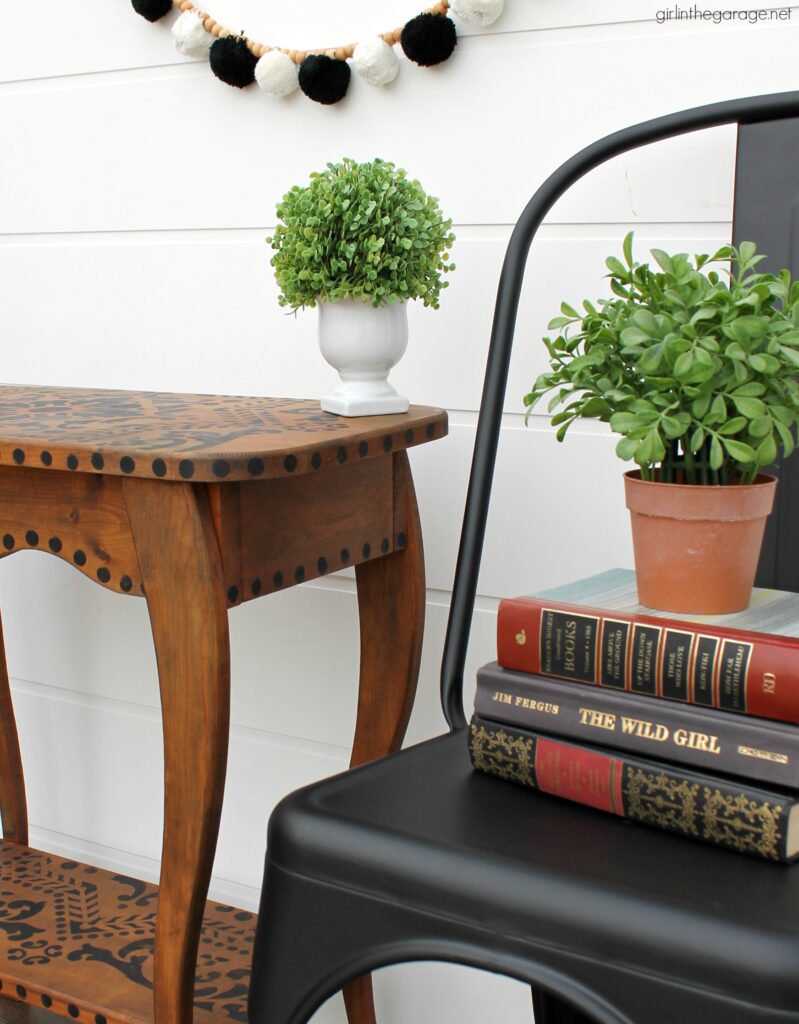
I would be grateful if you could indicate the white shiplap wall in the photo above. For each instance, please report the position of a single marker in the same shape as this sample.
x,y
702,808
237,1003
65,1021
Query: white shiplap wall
x,y
136,195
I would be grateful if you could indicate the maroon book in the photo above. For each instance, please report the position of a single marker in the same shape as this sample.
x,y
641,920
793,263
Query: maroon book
x,y
699,663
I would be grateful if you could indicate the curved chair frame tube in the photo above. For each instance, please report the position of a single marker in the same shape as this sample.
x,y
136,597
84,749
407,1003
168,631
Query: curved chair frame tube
x,y
461,954
742,111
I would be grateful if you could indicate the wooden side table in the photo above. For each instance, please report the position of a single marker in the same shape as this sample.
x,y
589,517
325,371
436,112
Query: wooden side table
x,y
198,503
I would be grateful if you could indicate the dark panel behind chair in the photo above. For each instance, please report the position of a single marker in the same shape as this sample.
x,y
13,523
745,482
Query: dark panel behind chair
x,y
767,212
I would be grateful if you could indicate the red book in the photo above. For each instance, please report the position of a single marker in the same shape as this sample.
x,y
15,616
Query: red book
x,y
697,662
714,808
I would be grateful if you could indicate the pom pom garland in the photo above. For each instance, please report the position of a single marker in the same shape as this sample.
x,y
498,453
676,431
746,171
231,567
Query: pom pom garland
x,y
322,74
152,10
324,79
276,73
480,12
429,39
190,36
375,61
232,62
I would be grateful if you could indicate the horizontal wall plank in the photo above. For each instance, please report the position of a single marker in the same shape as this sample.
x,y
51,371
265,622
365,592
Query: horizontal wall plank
x,y
93,770
148,159
557,511
216,326
295,655
107,36
112,858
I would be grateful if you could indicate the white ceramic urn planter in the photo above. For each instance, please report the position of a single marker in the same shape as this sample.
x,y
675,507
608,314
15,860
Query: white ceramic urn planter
x,y
363,342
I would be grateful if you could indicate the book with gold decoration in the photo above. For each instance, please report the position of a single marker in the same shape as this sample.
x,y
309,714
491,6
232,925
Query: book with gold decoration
x,y
713,808
704,738
595,632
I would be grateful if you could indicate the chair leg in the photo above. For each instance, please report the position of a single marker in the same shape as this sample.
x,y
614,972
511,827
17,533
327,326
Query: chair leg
x,y
549,1009
359,1001
297,947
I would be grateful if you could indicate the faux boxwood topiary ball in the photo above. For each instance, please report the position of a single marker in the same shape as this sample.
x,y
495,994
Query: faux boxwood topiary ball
x,y
232,62
429,39
152,10
324,79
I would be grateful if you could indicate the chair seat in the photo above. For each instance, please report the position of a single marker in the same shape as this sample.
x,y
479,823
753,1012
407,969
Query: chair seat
x,y
423,830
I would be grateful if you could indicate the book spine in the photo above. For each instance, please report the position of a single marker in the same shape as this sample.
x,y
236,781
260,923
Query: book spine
x,y
714,810
712,666
703,738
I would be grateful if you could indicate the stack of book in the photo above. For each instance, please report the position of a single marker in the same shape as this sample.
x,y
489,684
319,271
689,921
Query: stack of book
x,y
687,723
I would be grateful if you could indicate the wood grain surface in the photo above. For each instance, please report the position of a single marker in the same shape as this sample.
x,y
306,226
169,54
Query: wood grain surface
x,y
80,518
78,941
317,524
193,437
179,555
13,801
13,1012
197,502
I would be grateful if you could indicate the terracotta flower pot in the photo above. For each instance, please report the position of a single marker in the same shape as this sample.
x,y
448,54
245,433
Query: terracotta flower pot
x,y
697,547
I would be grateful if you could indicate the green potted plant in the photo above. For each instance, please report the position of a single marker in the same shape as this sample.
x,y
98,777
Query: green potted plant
x,y
698,371
359,241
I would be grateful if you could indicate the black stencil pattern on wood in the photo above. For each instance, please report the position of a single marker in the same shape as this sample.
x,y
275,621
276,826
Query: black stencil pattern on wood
x,y
187,437
58,918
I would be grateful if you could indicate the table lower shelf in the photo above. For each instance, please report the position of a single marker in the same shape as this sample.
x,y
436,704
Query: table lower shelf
x,y
78,941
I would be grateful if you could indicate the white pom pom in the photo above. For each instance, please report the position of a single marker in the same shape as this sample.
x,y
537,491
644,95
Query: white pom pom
x,y
483,12
276,73
375,61
190,37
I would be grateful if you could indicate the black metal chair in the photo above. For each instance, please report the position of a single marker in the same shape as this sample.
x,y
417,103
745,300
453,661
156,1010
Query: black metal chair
x,y
417,857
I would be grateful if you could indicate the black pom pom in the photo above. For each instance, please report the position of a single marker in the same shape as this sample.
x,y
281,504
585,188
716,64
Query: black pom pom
x,y
232,62
324,79
152,10
429,39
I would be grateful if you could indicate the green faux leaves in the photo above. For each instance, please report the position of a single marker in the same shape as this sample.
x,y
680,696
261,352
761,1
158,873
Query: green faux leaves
x,y
700,376
360,231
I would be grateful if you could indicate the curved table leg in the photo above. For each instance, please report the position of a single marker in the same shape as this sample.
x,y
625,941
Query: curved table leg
x,y
182,572
391,606
13,804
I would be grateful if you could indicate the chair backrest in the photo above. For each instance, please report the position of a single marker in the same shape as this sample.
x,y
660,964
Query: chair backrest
x,y
752,111
767,211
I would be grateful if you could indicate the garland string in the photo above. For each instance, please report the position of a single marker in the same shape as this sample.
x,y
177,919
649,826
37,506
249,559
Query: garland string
x,y
298,56
323,74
